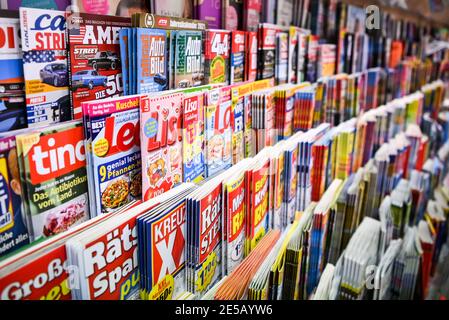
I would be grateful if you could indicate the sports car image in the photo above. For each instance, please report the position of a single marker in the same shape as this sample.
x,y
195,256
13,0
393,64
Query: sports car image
x,y
88,79
104,60
55,74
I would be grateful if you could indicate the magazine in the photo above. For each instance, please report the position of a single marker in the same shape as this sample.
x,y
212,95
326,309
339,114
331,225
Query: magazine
x,y
53,166
13,220
251,56
151,69
193,137
38,4
216,54
119,8
107,255
189,61
162,250
266,59
114,144
160,136
252,11
209,11
45,66
12,98
232,14
94,58
172,8
218,130
237,61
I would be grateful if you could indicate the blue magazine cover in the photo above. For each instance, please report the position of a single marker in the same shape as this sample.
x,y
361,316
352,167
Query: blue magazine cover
x,y
152,75
124,36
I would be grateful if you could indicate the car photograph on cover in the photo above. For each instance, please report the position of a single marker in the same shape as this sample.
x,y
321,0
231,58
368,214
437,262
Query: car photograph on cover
x,y
104,60
160,79
88,79
55,74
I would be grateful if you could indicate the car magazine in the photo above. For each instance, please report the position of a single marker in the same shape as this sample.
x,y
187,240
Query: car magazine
x,y
151,45
188,59
12,90
94,58
45,66
216,53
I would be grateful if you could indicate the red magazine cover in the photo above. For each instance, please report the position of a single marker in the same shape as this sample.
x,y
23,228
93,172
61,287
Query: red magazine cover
x,y
251,14
251,56
95,67
161,143
258,207
216,54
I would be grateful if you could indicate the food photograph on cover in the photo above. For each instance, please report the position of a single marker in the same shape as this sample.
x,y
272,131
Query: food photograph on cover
x,y
224,150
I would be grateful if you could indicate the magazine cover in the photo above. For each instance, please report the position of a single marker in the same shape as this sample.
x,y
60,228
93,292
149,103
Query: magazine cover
x,y
172,8
281,68
326,60
164,251
45,66
12,93
234,215
237,63
267,51
218,130
115,147
238,127
151,55
39,4
216,54
54,166
94,51
258,184
125,42
293,53
108,256
193,137
13,224
119,8
208,234
284,12
210,11
161,137
232,14
189,64
252,11
251,57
